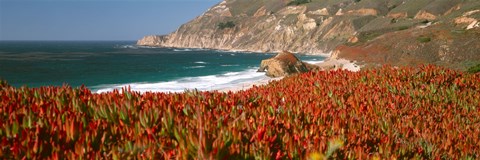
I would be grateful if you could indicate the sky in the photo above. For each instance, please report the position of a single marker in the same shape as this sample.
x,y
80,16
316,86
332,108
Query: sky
x,y
95,19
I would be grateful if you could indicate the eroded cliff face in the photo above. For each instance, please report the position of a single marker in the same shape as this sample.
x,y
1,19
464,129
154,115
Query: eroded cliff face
x,y
320,26
269,26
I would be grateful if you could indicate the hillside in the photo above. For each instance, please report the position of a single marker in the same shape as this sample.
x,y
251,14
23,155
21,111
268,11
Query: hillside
x,y
443,45
320,26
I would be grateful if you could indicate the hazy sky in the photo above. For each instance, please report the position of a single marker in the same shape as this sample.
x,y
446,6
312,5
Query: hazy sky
x,y
95,19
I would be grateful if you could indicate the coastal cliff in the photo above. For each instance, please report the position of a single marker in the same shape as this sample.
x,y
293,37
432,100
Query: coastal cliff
x,y
331,26
272,26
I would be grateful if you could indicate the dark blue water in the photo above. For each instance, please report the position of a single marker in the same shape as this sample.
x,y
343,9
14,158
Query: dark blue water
x,y
112,64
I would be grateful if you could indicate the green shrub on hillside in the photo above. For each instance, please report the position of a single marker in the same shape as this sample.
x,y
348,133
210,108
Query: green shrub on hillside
x,y
424,39
228,24
474,69
402,28
458,31
298,2
367,36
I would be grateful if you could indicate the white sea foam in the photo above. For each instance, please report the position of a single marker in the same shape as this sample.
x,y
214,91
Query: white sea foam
x,y
127,46
313,61
200,62
188,49
229,65
193,67
237,51
232,73
182,50
132,46
202,83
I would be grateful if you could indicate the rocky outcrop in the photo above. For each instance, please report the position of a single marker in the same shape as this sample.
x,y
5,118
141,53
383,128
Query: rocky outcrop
x,y
398,15
425,15
153,40
284,64
363,12
320,12
467,20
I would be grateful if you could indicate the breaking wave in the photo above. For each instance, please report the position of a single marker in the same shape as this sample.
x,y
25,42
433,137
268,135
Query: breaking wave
x,y
201,83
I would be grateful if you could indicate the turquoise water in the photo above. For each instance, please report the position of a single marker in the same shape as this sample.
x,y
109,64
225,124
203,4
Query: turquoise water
x,y
104,65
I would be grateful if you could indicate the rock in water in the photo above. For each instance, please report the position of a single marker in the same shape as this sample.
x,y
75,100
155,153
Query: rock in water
x,y
283,64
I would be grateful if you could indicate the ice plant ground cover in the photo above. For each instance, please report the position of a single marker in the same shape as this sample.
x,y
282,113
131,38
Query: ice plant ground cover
x,y
426,112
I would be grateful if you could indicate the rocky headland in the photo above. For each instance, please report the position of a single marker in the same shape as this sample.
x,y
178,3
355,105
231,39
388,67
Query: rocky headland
x,y
369,33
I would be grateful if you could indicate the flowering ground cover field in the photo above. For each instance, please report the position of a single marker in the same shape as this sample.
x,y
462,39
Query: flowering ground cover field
x,y
426,112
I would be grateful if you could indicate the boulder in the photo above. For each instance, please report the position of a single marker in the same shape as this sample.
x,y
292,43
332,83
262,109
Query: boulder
x,y
284,64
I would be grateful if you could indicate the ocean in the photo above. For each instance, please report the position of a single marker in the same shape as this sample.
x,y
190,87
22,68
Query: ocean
x,y
106,65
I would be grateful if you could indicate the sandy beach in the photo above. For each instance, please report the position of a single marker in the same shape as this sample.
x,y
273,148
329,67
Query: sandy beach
x,y
335,64
248,85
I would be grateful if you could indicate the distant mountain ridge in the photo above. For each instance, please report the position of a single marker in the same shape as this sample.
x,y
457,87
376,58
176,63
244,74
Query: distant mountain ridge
x,y
319,26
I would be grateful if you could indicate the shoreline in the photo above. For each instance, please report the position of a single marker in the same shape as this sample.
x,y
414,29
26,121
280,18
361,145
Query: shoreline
x,y
247,85
239,50
326,65
234,87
